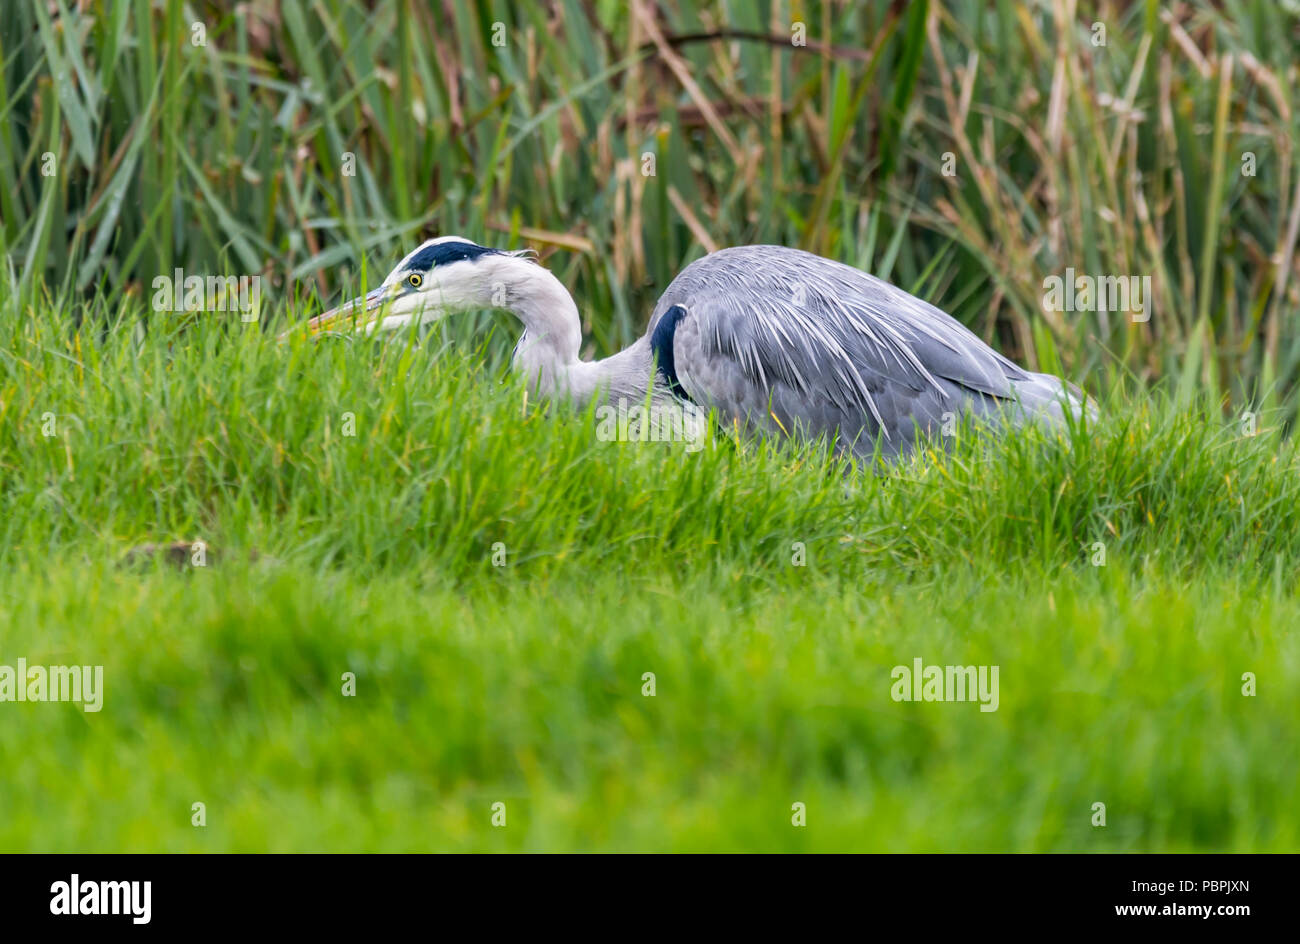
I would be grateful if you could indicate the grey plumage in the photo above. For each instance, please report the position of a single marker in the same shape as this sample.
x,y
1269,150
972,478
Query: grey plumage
x,y
785,340
771,338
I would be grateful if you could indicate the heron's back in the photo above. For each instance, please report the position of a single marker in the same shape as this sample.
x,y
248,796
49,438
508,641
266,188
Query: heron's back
x,y
779,334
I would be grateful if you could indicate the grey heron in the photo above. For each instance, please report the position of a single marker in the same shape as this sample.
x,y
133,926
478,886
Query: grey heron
x,y
771,338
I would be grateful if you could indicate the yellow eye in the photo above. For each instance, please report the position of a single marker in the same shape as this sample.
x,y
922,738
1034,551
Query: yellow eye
x,y
415,279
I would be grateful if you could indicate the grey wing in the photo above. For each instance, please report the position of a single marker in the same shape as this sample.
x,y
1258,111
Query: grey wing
x,y
785,340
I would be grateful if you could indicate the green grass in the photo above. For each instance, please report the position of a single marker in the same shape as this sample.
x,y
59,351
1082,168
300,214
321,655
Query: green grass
x,y
522,684
127,149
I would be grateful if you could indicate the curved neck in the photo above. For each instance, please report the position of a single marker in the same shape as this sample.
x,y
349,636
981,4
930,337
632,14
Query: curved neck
x,y
552,328
548,350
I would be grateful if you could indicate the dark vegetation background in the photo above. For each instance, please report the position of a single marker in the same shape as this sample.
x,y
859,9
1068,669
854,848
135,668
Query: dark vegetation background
x,y
527,123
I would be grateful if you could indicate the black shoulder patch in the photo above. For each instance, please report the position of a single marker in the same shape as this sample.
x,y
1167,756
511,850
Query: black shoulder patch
x,y
447,253
661,348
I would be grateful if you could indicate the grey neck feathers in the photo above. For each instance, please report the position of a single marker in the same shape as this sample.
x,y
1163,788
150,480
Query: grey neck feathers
x,y
548,351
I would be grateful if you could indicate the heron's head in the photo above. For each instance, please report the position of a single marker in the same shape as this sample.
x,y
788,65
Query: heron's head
x,y
442,276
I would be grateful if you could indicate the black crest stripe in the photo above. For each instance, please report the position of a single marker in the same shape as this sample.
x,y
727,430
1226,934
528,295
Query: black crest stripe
x,y
447,253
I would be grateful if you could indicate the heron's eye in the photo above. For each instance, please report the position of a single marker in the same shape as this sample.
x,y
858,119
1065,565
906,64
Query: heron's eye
x,y
415,279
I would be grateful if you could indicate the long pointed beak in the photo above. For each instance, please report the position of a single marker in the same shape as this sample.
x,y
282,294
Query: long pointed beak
x,y
357,314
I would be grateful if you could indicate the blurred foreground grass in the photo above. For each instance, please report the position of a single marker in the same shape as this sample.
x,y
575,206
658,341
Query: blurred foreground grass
x,y
223,687
372,554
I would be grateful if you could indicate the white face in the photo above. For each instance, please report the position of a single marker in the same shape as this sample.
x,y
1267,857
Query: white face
x,y
437,278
